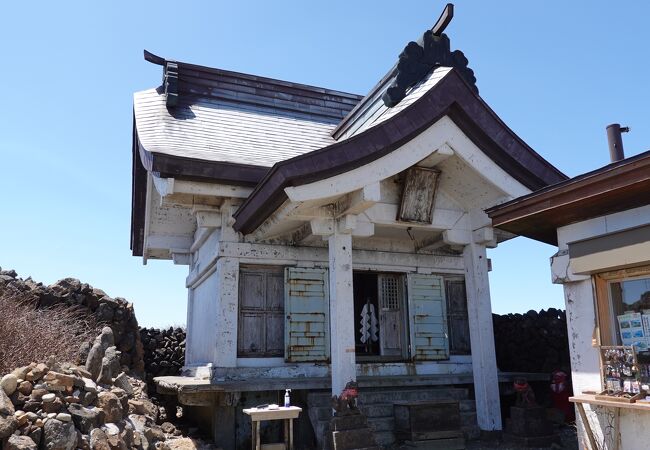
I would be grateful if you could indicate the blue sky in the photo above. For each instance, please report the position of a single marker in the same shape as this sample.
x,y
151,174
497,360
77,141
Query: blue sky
x,y
555,72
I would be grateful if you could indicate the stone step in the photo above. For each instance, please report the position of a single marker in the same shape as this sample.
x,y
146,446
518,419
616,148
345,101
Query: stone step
x,y
467,406
371,396
377,410
368,398
352,439
321,412
378,406
472,432
468,418
385,438
382,423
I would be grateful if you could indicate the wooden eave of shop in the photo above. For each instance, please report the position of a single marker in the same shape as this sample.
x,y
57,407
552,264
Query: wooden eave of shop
x,y
613,188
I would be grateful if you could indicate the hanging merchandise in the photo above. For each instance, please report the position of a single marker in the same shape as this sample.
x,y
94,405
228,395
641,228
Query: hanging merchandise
x,y
369,325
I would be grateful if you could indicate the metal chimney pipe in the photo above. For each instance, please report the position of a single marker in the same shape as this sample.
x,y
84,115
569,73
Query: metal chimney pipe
x,y
615,141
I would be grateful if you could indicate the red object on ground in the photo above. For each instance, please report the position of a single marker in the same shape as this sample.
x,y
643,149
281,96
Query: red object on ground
x,y
560,394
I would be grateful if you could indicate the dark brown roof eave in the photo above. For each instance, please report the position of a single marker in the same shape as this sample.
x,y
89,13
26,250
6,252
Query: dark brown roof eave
x,y
613,188
450,96
138,196
168,166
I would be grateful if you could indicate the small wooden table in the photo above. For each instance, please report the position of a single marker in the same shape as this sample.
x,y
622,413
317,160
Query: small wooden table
x,y
260,415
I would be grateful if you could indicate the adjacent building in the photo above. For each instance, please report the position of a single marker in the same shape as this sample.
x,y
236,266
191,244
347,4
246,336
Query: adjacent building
x,y
600,222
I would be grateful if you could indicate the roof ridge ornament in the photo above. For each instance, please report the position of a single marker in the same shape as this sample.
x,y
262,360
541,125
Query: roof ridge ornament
x,y
419,58
170,77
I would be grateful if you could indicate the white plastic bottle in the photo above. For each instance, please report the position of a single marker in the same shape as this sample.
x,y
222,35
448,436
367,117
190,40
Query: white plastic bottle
x,y
287,401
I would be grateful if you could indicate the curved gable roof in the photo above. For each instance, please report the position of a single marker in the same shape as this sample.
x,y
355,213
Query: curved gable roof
x,y
450,95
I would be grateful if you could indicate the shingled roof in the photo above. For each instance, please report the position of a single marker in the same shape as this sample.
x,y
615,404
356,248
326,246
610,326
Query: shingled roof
x,y
227,127
443,92
231,117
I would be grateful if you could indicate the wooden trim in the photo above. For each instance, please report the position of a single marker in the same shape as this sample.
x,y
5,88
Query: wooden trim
x,y
605,319
624,274
615,187
592,400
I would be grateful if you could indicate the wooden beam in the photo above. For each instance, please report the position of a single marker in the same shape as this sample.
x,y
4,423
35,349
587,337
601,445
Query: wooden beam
x,y
382,168
169,241
358,201
363,229
322,227
430,243
180,259
443,219
300,234
209,189
457,237
208,218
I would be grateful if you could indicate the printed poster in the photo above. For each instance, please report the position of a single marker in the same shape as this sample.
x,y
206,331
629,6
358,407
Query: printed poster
x,y
631,328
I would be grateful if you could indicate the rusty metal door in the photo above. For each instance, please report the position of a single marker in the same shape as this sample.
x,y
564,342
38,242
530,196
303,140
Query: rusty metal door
x,y
391,315
428,317
307,315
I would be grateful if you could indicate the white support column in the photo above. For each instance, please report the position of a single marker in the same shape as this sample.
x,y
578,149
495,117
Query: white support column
x,y
479,310
585,360
227,273
341,307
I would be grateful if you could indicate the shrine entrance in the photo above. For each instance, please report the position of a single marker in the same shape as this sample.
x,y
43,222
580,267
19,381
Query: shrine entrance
x,y
381,320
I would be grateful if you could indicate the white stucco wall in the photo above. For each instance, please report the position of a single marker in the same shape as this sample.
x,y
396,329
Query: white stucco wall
x,y
201,315
212,312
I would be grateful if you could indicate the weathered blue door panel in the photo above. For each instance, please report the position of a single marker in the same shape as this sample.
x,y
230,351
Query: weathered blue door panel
x,y
428,317
307,310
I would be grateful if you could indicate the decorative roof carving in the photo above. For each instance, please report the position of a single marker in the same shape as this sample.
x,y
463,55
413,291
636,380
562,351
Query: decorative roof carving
x,y
420,58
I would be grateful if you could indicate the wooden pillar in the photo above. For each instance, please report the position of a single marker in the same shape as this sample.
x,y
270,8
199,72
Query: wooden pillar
x,y
225,352
484,365
341,309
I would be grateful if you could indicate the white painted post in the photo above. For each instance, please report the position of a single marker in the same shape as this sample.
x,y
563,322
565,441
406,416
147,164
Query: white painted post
x,y
226,318
189,357
341,309
585,361
484,365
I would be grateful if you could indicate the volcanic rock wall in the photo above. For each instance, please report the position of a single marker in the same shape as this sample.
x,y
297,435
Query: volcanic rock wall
x,y
164,351
117,313
532,342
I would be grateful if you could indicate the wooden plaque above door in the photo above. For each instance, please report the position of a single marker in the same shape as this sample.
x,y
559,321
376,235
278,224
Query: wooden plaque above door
x,y
418,195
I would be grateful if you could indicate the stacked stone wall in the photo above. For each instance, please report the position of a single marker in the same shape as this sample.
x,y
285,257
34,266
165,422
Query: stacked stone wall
x,y
532,342
116,313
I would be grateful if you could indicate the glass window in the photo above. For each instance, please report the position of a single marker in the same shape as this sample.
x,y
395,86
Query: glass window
x,y
630,303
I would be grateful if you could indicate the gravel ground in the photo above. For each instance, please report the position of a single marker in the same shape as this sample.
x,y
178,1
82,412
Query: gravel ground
x,y
568,438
